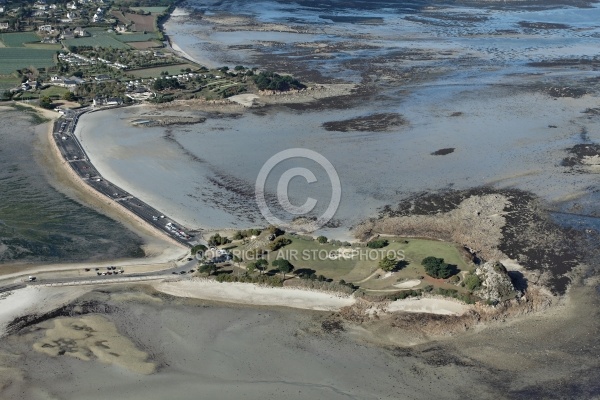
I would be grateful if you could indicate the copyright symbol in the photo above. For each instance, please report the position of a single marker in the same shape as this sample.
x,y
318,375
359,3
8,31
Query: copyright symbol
x,y
283,185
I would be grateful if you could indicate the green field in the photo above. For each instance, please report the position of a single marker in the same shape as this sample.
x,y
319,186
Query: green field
x,y
53,91
151,10
8,82
97,41
18,39
44,46
155,71
12,59
136,37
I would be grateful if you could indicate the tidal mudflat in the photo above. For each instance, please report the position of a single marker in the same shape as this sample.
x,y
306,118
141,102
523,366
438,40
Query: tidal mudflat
x,y
498,85
189,348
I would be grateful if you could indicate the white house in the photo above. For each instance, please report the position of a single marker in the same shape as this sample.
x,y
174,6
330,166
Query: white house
x,y
3,25
72,6
79,32
1,9
45,28
110,101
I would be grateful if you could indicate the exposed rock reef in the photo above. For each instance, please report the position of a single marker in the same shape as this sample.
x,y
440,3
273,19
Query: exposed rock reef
x,y
496,284
495,225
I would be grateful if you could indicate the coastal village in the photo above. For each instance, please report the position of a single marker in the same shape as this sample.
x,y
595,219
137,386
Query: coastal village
x,y
96,52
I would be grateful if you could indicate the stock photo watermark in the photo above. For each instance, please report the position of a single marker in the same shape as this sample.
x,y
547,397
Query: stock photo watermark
x,y
349,253
283,189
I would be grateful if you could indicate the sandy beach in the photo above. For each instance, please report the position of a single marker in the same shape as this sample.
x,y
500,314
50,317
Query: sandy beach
x,y
181,345
252,294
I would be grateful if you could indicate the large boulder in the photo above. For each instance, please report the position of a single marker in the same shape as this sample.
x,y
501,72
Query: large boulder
x,y
496,285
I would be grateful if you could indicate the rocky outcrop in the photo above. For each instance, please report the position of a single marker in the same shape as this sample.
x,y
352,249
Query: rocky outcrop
x,y
496,285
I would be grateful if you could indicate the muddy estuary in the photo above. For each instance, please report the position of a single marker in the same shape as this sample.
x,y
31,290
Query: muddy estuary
x,y
445,100
477,81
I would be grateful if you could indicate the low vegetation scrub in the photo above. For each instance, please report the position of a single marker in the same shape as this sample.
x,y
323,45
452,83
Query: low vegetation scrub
x,y
322,239
239,235
275,231
197,248
218,240
272,81
378,243
260,279
455,294
279,243
472,282
341,286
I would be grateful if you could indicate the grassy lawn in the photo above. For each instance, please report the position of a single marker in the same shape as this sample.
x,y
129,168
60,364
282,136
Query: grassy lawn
x,y
414,251
154,72
18,39
305,253
54,91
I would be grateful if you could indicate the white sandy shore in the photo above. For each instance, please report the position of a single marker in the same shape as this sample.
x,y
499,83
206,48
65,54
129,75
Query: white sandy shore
x,y
428,305
249,293
408,284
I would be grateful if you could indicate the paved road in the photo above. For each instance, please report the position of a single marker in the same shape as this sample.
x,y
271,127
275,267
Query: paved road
x,y
76,157
91,277
73,153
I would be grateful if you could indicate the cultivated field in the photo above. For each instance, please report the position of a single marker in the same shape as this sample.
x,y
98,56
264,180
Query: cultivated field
x,y
97,41
152,10
18,39
119,15
136,37
44,46
12,59
145,45
142,22
8,82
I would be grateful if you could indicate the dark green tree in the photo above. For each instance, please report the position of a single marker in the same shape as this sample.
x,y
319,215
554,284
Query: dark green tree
x,y
388,264
377,243
436,267
284,266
